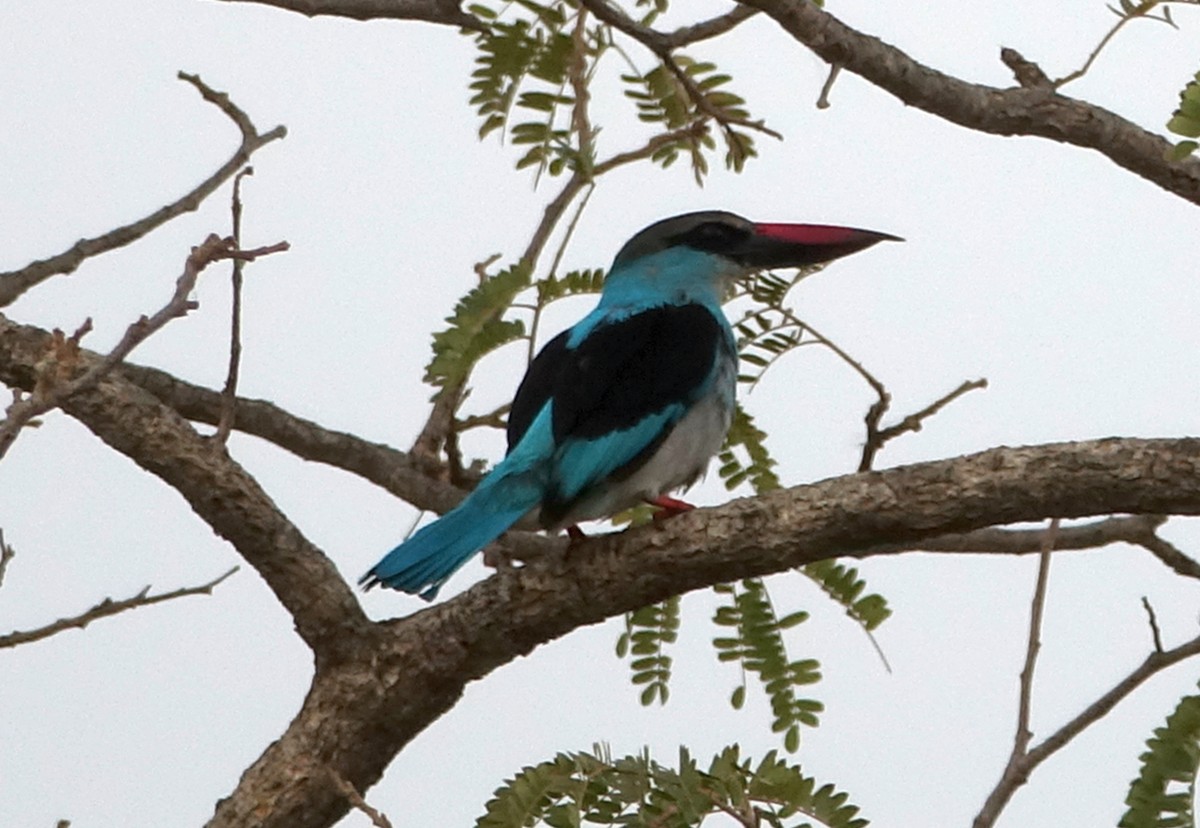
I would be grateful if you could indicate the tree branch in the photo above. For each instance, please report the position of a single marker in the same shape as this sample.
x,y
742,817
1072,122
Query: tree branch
x,y
389,468
220,491
1017,111
106,608
1014,774
413,669
54,383
1155,663
15,283
446,12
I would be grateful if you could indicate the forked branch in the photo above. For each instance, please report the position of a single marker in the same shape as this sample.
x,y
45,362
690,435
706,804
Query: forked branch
x,y
15,283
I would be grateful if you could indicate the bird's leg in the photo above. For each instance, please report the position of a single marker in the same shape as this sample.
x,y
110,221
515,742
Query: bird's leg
x,y
669,506
574,533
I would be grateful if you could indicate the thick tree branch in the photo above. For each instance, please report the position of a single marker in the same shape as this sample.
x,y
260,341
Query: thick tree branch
x,y
446,12
106,608
389,468
158,439
363,710
16,282
1018,111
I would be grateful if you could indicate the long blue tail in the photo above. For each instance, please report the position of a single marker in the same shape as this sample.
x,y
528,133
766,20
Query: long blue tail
x,y
422,563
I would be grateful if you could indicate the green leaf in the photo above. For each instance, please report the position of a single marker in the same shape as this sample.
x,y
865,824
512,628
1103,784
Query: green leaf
x,y
647,633
1162,795
1185,120
476,327
745,457
575,283
843,585
760,648
1182,150
639,791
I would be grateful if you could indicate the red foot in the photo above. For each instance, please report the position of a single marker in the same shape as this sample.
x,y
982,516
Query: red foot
x,y
575,533
669,506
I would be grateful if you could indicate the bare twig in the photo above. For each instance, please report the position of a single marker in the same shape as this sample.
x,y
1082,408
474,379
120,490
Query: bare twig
x,y
229,394
378,819
6,555
106,608
53,384
1154,631
1015,773
1034,645
1027,73
877,437
15,283
823,99
1131,12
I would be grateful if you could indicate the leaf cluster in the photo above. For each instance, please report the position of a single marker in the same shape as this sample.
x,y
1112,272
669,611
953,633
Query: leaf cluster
x,y
842,584
1163,794
647,632
683,93
1185,120
757,644
574,789
756,467
476,327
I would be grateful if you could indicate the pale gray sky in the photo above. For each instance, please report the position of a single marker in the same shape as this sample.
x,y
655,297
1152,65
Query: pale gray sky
x,y
1067,282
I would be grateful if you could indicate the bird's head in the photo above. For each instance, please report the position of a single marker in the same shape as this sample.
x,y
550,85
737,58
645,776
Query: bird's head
x,y
744,246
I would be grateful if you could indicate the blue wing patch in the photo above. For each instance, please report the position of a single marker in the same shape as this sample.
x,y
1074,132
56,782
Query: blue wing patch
x,y
613,396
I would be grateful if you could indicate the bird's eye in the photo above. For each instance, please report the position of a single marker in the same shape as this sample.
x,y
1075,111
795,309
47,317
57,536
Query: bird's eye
x,y
714,236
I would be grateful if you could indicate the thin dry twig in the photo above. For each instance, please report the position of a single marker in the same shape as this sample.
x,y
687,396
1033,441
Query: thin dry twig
x,y
1131,12
835,69
14,283
6,555
106,608
378,818
54,385
1023,760
877,437
1034,645
229,393
1155,633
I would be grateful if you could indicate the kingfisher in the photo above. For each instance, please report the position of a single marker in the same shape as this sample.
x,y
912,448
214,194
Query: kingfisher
x,y
630,403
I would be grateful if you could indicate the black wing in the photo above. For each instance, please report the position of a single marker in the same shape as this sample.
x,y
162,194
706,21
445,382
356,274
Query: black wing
x,y
621,372
537,387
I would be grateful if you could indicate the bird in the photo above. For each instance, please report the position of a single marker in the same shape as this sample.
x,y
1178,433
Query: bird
x,y
631,402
